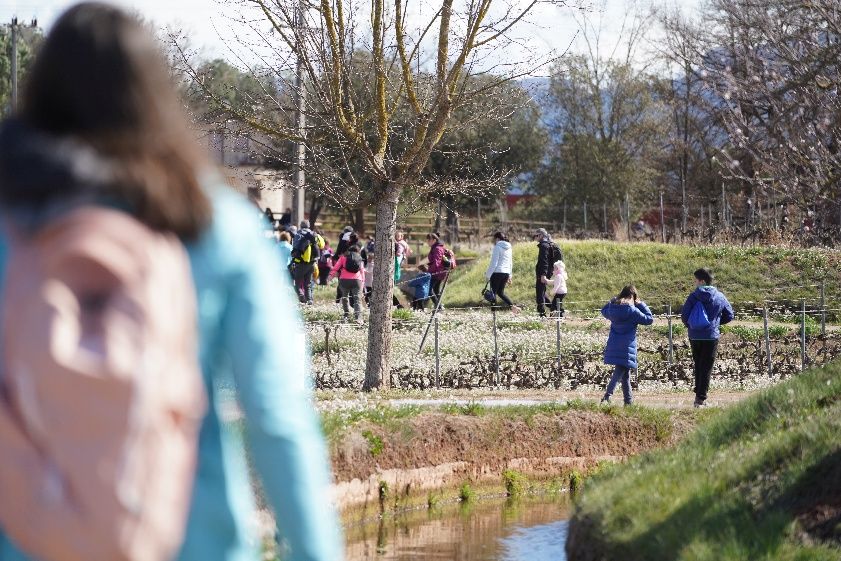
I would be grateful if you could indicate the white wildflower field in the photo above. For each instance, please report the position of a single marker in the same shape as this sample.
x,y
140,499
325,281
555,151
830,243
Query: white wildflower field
x,y
532,355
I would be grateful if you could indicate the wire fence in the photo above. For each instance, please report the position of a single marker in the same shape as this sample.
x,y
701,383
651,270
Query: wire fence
x,y
490,347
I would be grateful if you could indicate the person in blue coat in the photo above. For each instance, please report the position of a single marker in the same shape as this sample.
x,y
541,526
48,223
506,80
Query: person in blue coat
x,y
100,124
705,311
625,312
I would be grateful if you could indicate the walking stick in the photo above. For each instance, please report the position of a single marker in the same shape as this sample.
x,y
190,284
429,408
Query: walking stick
x,y
435,310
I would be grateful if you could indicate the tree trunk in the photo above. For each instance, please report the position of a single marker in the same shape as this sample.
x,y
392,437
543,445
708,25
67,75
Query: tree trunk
x,y
378,362
316,206
359,222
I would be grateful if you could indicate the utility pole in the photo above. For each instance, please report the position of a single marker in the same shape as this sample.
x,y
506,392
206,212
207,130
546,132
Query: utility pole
x,y
14,30
14,33
300,119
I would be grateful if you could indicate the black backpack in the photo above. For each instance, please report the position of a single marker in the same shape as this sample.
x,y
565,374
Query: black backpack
x,y
557,254
300,253
353,262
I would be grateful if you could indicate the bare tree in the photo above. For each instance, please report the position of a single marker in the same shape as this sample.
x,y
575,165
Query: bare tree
x,y
775,70
608,127
381,83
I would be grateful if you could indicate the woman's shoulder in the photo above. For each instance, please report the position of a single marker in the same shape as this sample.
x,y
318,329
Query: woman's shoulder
x,y
234,231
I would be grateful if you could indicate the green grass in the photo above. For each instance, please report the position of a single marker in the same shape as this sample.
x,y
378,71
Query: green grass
x,y
663,273
730,490
393,418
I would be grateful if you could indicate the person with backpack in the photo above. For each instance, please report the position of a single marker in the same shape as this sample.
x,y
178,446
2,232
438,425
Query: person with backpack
x,y
147,286
305,255
625,312
500,268
347,238
705,310
325,263
351,272
440,262
548,253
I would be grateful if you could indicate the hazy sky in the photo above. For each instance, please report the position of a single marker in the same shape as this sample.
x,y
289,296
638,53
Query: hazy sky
x,y
204,20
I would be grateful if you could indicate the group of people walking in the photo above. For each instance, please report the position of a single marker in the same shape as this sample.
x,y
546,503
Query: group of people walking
x,y
706,309
550,274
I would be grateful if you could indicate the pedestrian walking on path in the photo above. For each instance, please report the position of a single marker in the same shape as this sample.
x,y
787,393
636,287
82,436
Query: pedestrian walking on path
x,y
704,312
548,252
351,272
440,262
625,312
500,269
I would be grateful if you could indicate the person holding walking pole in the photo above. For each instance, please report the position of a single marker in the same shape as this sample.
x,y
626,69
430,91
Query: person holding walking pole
x,y
441,261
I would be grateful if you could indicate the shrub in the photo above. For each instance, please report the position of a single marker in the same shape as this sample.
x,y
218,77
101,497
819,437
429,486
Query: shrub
x,y
515,482
466,493
375,443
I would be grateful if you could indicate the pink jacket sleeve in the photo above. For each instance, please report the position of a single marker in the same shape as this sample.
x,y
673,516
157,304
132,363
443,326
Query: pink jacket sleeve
x,y
337,267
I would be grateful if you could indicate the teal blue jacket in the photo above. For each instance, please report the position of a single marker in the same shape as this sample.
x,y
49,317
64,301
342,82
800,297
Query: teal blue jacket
x,y
251,336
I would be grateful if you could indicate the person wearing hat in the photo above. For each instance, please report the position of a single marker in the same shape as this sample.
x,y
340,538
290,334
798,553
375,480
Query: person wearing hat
x,y
548,253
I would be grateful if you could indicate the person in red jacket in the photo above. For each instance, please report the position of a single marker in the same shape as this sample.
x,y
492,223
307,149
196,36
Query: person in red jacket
x,y
439,264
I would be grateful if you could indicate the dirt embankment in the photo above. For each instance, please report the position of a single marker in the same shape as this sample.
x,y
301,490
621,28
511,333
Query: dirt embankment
x,y
387,464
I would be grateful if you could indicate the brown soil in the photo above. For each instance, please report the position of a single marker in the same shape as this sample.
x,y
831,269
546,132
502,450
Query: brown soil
x,y
433,439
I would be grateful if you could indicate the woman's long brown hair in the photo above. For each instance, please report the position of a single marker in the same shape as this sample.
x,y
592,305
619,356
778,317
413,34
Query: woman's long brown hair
x,y
100,77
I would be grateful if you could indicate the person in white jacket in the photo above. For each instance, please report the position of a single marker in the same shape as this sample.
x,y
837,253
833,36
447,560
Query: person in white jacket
x,y
558,291
500,269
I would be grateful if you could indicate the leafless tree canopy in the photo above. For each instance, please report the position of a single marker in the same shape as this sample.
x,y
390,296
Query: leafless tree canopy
x,y
382,82
772,72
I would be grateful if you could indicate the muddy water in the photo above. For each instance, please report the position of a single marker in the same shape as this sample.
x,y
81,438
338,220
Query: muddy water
x,y
487,530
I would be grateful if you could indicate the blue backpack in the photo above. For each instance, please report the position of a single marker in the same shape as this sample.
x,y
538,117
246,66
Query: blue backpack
x,y
698,318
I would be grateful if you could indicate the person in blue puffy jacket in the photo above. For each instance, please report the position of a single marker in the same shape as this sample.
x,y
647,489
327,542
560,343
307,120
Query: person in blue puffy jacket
x,y
625,312
100,124
705,310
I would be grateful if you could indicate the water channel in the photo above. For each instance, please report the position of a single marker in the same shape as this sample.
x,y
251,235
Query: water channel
x,y
526,529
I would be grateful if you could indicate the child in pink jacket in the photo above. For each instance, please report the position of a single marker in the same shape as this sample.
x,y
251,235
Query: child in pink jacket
x,y
351,272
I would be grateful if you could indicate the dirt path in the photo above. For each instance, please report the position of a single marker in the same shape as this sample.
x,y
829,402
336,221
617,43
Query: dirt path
x,y
339,401
682,400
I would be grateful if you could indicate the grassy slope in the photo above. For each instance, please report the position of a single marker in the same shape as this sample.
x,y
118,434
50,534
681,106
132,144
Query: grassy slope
x,y
662,273
731,490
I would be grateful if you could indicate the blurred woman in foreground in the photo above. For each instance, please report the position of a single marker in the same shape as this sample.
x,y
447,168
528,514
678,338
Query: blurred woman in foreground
x,y
100,124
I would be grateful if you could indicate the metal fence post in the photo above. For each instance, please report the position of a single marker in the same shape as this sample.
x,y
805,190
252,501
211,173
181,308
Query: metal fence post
x,y
437,358
662,220
823,308
496,351
565,217
558,346
604,216
671,334
767,337
802,335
